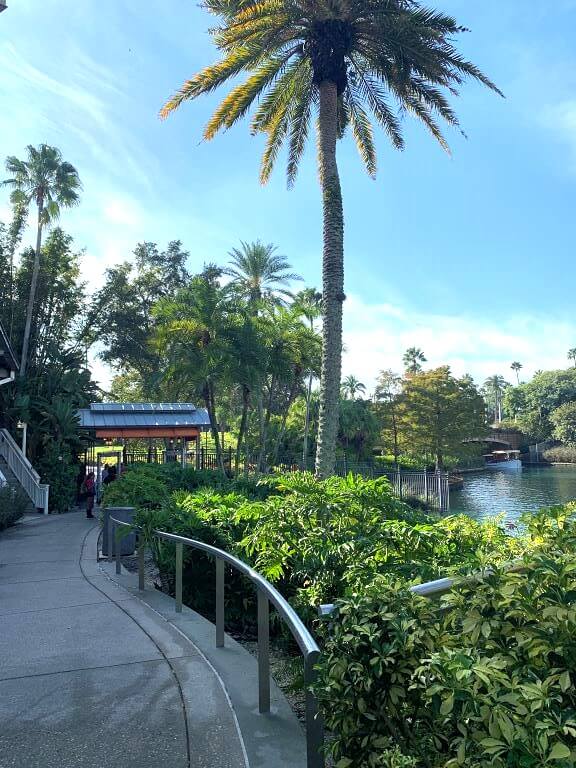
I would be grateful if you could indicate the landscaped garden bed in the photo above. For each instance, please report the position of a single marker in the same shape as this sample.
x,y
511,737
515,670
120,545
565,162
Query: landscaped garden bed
x,y
481,678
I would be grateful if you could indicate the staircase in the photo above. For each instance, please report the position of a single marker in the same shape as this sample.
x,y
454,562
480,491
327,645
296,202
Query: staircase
x,y
19,473
8,478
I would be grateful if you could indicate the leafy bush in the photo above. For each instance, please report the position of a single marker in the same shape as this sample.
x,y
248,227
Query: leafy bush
x,y
561,454
59,470
320,540
483,678
149,486
13,505
405,462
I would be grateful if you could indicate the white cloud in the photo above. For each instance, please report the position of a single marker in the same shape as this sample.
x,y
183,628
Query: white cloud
x,y
376,338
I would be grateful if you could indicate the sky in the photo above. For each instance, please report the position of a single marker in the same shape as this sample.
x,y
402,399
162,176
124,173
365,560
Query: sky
x,y
468,256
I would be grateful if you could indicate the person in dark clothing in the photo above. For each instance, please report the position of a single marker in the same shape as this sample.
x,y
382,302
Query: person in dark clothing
x,y
80,477
90,491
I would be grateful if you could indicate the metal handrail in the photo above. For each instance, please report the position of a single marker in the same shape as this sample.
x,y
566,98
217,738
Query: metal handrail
x,y
24,472
266,594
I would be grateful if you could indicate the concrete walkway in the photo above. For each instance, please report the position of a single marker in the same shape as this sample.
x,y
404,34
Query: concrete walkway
x,y
92,677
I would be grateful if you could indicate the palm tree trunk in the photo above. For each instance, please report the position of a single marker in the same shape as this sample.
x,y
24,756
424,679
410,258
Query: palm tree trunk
x,y
332,280
209,401
262,456
32,294
282,431
307,423
243,423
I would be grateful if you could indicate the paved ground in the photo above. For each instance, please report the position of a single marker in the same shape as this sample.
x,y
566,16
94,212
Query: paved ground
x,y
90,676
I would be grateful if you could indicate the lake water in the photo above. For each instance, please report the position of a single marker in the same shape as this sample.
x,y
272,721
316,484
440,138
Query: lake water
x,y
491,493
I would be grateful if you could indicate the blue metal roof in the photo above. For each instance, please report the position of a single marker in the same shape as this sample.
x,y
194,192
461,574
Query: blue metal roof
x,y
146,415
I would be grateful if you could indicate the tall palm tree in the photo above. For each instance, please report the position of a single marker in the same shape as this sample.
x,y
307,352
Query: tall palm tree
x,y
258,272
413,359
572,355
351,387
494,387
308,304
339,59
51,183
517,367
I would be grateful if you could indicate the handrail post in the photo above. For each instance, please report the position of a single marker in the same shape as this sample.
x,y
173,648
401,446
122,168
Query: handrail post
x,y
219,603
141,551
314,721
179,566
263,653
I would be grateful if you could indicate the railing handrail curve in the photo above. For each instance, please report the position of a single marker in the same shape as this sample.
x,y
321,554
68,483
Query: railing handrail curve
x,y
300,632
266,594
24,472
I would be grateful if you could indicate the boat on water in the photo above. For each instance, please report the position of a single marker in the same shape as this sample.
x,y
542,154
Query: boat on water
x,y
506,461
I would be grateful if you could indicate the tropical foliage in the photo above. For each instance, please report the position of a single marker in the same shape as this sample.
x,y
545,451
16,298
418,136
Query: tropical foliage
x,y
57,380
47,181
485,678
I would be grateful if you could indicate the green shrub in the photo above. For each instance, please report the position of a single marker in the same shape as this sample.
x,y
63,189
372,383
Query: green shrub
x,y
149,486
561,454
485,677
13,505
321,540
59,470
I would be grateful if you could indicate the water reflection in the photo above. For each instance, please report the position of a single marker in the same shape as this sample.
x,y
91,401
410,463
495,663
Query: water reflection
x,y
491,493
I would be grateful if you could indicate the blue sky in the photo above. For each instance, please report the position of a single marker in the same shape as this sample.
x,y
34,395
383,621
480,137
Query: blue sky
x,y
470,256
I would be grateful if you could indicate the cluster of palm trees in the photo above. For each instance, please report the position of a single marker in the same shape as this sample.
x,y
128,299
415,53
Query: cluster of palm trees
x,y
249,336
333,62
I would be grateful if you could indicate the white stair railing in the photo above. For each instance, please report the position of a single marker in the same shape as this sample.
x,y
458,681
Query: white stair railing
x,y
21,468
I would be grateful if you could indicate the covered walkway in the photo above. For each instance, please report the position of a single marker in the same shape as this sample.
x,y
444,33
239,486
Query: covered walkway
x,y
91,676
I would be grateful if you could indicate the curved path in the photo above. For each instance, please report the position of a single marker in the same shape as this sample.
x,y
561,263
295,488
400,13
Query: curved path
x,y
92,677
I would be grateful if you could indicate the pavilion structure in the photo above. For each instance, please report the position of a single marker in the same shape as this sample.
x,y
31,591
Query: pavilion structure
x,y
153,432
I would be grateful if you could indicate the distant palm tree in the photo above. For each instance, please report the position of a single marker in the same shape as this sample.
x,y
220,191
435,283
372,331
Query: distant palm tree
x,y
308,303
330,63
413,359
517,367
572,355
494,387
51,183
258,272
352,387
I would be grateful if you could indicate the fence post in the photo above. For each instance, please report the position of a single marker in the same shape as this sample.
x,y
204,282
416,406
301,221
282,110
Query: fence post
x,y
439,482
263,653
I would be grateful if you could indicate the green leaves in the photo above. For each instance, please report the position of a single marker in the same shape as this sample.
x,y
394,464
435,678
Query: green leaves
x,y
384,56
485,682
